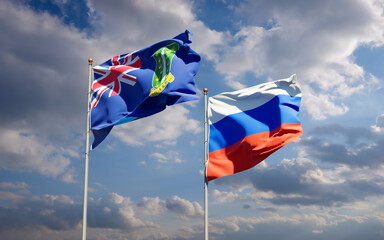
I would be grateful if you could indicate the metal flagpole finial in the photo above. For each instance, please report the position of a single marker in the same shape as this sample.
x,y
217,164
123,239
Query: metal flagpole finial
x,y
90,61
205,91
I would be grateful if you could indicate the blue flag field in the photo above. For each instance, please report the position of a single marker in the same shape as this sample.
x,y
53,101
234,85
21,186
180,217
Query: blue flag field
x,y
142,83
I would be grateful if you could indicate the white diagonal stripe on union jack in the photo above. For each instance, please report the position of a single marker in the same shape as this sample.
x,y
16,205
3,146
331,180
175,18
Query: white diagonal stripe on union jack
x,y
112,76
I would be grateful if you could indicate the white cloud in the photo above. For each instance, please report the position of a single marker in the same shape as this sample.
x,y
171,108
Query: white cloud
x,y
69,178
161,158
47,95
10,196
380,121
45,74
13,185
304,182
165,126
47,210
321,105
150,206
24,152
313,40
117,212
45,110
223,197
220,227
113,211
151,22
379,127
167,157
184,208
43,62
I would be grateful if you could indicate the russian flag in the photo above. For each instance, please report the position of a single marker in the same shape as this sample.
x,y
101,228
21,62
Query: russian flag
x,y
248,125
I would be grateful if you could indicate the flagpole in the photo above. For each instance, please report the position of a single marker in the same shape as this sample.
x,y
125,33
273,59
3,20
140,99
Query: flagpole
x,y
205,166
85,203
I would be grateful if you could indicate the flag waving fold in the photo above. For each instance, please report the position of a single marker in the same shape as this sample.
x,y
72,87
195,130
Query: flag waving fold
x,y
248,125
142,83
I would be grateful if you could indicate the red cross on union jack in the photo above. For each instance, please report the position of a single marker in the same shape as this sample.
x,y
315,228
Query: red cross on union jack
x,y
112,76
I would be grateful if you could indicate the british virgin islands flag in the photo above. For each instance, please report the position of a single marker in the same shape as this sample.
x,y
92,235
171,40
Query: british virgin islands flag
x,y
142,83
248,125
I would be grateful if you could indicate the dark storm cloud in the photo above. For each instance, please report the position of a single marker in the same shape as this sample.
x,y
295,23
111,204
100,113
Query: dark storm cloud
x,y
286,181
351,134
358,146
42,90
301,182
348,229
44,73
44,76
53,212
62,213
112,211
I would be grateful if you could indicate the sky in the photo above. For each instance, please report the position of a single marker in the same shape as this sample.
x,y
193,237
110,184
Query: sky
x,y
146,178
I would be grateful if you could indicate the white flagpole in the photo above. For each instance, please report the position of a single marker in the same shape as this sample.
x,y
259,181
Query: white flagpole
x,y
85,203
205,165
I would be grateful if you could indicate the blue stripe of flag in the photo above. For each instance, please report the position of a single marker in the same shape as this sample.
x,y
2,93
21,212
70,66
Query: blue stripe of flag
x,y
269,116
